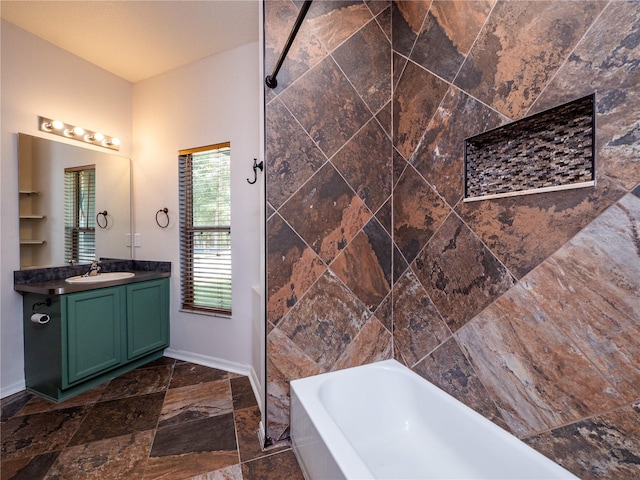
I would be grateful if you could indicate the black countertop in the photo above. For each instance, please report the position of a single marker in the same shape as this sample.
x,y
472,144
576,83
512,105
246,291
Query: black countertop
x,y
60,287
51,281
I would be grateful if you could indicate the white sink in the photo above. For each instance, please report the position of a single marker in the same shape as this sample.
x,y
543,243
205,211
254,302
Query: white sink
x,y
101,277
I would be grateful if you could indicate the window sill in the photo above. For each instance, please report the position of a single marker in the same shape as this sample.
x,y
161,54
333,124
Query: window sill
x,y
206,314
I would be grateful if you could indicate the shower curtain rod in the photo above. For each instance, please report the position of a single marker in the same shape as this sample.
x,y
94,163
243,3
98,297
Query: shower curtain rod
x,y
271,81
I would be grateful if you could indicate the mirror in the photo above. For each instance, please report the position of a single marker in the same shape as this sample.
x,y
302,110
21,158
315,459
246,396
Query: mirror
x,y
41,181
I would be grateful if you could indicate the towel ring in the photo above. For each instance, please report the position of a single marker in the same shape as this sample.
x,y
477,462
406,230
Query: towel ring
x,y
164,210
106,220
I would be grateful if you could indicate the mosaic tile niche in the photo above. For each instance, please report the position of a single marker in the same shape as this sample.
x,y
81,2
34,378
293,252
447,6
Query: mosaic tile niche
x,y
552,150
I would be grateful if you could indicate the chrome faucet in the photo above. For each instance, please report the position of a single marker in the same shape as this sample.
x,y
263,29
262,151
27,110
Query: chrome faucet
x,y
94,269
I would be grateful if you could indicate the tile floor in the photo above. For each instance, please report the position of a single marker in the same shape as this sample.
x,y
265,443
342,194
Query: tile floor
x,y
169,420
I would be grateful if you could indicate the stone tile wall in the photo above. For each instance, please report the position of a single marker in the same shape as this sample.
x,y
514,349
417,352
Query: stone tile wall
x,y
525,308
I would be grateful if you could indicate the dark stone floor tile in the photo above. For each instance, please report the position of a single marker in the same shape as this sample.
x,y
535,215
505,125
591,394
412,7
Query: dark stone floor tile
x,y
194,402
160,362
204,435
120,417
216,465
194,449
13,403
30,435
278,466
233,472
138,382
188,373
247,424
39,404
117,458
242,391
26,468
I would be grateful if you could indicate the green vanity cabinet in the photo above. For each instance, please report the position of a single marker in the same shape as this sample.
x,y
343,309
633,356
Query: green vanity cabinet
x,y
94,336
148,317
94,322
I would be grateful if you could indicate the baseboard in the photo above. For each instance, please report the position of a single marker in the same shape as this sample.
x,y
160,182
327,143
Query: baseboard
x,y
13,388
220,364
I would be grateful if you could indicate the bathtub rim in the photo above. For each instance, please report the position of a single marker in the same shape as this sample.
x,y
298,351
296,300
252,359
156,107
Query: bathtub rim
x,y
339,445
333,439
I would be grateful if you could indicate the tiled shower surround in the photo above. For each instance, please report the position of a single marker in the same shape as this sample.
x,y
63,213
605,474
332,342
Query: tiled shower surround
x,y
525,308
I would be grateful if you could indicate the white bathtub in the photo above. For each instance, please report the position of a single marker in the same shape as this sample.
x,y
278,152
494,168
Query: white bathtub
x,y
383,421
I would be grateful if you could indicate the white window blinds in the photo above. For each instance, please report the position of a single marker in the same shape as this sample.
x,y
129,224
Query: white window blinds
x,y
205,224
79,214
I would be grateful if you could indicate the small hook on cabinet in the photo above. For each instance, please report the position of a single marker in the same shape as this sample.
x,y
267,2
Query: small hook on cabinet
x,y
256,165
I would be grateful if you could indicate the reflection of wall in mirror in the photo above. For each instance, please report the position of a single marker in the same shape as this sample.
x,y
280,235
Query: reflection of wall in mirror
x,y
46,167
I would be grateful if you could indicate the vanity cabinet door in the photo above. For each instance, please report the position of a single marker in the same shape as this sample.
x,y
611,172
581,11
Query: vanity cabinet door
x,y
94,331
147,317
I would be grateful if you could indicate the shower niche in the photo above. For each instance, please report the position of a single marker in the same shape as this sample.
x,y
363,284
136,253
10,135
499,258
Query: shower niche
x,y
548,151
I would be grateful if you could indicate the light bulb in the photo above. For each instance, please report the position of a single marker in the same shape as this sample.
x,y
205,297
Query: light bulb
x,y
115,141
98,137
49,126
72,132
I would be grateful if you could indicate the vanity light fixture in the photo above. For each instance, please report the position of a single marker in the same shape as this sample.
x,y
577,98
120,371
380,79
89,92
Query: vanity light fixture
x,y
78,133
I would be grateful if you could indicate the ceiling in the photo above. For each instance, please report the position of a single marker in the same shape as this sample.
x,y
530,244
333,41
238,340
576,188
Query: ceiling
x,y
135,39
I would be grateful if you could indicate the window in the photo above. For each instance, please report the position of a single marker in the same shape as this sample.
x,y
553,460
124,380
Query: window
x,y
205,228
79,214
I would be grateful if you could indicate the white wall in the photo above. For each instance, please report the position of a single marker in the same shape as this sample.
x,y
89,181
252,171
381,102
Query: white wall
x,y
211,101
37,78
